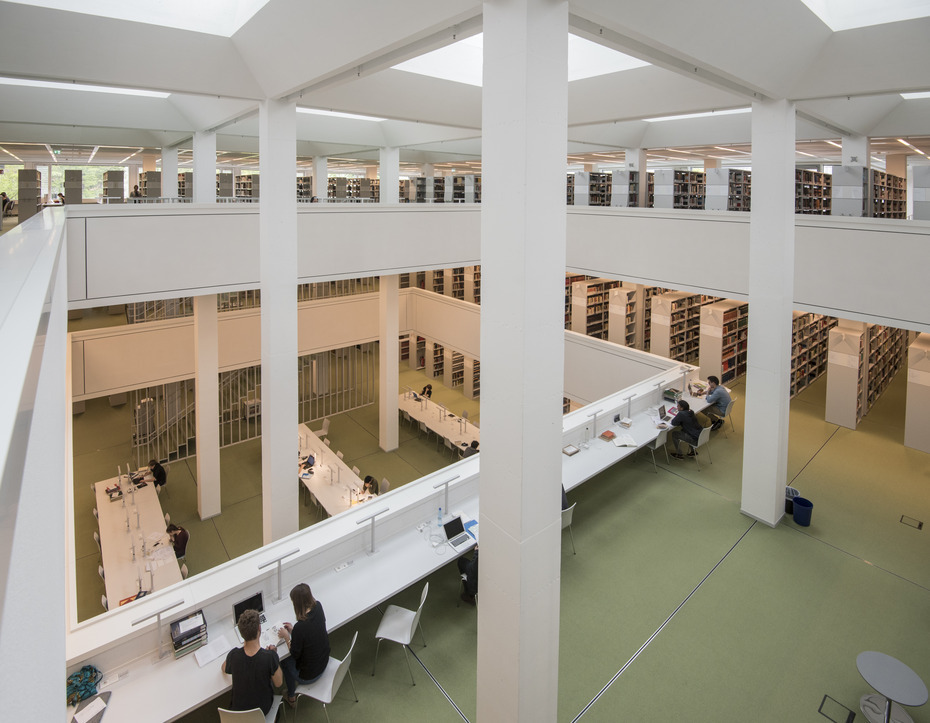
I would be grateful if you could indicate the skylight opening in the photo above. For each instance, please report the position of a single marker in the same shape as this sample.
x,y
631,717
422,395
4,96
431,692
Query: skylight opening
x,y
79,86
215,17
915,96
848,14
463,61
684,116
338,114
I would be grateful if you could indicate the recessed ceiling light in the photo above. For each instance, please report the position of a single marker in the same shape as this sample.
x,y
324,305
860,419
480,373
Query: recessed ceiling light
x,y
684,116
338,114
80,86
732,150
834,143
915,96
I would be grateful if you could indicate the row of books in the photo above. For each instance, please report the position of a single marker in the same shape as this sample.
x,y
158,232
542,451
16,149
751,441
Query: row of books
x,y
188,633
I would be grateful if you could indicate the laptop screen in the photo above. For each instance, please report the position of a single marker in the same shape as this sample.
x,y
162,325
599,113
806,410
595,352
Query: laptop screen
x,y
661,411
256,602
454,527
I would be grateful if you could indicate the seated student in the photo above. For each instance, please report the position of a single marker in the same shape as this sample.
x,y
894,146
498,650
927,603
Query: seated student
x,y
7,203
135,193
255,671
60,198
158,472
718,398
687,427
427,391
179,538
472,449
307,640
469,568
371,485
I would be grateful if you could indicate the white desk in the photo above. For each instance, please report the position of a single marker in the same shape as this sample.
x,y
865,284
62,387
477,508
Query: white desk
x,y
155,570
601,454
458,430
334,485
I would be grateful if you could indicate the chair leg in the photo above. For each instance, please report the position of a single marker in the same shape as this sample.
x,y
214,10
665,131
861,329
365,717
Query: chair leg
x,y
352,681
327,714
654,468
409,669
373,665
420,625
572,536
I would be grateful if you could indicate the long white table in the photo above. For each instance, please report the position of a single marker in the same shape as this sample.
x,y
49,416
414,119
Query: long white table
x,y
127,572
333,483
456,429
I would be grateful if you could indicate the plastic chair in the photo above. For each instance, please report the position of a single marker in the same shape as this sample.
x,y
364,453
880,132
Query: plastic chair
x,y
97,540
407,417
385,486
184,571
465,414
356,471
398,625
567,515
339,454
254,715
96,515
426,430
103,601
326,442
322,431
655,444
727,415
167,519
451,447
325,688
101,573
703,439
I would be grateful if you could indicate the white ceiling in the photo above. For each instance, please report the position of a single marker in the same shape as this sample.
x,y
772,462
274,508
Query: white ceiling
x,y
701,57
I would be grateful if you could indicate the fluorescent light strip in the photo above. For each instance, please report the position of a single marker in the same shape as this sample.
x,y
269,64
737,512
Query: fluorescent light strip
x,y
802,153
732,150
11,154
78,86
915,96
834,143
901,140
337,114
129,156
51,153
732,111
96,148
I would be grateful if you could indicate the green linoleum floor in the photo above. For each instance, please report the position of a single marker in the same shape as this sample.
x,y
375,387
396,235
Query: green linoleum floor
x,y
764,636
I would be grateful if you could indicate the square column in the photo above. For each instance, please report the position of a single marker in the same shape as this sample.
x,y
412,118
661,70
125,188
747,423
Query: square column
x,y
277,220
855,151
636,161
389,362
390,175
321,178
771,294
204,167
207,395
524,127
169,172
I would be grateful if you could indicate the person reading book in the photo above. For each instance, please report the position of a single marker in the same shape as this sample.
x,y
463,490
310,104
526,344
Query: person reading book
x,y
718,398
255,671
686,428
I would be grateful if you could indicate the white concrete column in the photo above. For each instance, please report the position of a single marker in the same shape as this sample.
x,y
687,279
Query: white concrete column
x,y
389,360
771,291
523,226
390,175
855,153
710,163
320,178
169,172
278,259
636,161
207,395
204,178
429,170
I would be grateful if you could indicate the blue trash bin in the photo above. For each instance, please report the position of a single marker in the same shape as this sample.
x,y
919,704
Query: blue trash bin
x,y
802,511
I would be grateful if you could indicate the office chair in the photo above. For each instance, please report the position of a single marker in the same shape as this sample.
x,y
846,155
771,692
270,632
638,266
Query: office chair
x,y
398,625
254,715
385,486
567,515
101,573
703,439
322,431
103,601
325,688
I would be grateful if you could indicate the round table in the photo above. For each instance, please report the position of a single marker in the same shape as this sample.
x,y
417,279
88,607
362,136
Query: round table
x,y
896,683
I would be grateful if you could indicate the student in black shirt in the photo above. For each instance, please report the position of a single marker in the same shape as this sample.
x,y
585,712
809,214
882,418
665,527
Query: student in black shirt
x,y
158,472
255,671
427,391
307,640
686,427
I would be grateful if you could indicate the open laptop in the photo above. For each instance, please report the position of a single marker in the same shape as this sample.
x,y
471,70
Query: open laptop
x,y
667,416
269,634
455,533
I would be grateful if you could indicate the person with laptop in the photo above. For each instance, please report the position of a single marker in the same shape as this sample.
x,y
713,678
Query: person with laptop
x,y
687,427
307,641
718,398
158,473
471,449
255,671
427,391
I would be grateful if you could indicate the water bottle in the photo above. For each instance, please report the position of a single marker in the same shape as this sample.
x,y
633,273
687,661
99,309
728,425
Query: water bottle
x,y
439,518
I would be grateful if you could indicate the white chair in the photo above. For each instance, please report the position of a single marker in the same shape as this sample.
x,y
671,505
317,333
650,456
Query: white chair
x,y
96,515
425,430
103,601
326,442
451,447
97,540
251,716
398,625
727,413
339,454
465,414
703,439
356,471
567,515
385,486
658,442
101,573
322,431
167,519
407,417
184,571
324,689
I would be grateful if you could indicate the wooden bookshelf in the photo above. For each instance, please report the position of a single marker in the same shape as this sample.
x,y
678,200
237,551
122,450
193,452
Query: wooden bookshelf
x,y
810,335
676,325
625,189
453,369
247,186
114,189
438,359
149,184
224,185
888,197
679,189
421,353
570,280
728,189
29,192
304,187
591,306
570,189
472,385
186,184
625,317
439,281
405,348
724,333
74,186
813,192
648,293
473,284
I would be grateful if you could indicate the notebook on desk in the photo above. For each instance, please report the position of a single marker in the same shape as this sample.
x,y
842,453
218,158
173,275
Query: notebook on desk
x,y
455,533
269,634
